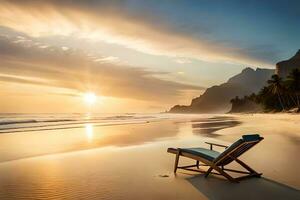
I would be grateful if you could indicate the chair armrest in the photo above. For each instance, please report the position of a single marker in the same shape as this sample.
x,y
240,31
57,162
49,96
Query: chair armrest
x,y
214,144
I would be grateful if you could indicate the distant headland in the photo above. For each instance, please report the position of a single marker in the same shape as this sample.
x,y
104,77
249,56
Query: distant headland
x,y
260,90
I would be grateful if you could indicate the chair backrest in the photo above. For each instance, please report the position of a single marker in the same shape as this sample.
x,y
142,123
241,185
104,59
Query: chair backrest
x,y
237,149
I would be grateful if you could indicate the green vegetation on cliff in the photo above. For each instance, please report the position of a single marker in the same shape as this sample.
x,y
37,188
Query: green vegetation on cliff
x,y
278,95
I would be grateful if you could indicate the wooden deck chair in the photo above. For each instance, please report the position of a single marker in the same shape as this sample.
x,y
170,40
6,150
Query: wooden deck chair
x,y
216,160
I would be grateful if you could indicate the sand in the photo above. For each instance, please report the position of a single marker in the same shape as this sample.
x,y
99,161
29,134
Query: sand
x,y
130,161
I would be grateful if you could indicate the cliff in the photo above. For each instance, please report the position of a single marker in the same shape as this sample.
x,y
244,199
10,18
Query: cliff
x,y
216,99
283,68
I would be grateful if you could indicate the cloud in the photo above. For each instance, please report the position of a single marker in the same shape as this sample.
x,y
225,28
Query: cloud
x,y
112,22
27,63
108,59
65,48
183,61
20,79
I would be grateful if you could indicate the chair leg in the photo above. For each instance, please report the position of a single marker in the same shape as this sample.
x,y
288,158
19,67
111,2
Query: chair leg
x,y
226,175
197,164
252,171
176,161
208,172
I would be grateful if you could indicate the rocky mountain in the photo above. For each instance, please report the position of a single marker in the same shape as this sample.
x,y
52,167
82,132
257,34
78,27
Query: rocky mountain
x,y
283,68
216,99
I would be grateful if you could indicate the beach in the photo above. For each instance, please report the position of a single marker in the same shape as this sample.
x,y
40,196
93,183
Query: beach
x,y
126,157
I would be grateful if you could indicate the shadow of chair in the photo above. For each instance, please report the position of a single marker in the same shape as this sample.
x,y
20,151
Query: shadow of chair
x,y
256,188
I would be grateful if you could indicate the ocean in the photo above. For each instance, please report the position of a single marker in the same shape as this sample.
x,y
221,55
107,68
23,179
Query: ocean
x,y
28,122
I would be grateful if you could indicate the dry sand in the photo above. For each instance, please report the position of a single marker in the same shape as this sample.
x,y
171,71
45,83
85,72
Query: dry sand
x,y
131,162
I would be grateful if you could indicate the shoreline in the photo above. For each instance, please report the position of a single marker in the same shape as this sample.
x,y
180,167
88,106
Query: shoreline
x,y
104,162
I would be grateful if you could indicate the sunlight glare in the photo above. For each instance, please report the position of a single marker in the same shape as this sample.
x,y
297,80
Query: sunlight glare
x,y
90,98
89,131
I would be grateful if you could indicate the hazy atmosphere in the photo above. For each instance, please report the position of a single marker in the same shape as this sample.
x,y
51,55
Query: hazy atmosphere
x,y
134,56
149,99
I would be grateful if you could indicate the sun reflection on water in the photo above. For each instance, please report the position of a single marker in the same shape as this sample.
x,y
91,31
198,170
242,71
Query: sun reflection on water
x,y
89,131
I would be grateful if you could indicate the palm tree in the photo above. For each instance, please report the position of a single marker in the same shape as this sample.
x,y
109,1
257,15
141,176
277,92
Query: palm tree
x,y
252,97
293,85
234,100
276,87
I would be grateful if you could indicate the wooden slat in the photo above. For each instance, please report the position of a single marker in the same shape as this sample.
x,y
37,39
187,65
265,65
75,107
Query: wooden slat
x,y
215,144
198,170
248,176
226,159
236,171
187,166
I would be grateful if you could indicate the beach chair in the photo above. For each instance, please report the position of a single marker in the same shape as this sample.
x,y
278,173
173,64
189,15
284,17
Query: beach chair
x,y
217,161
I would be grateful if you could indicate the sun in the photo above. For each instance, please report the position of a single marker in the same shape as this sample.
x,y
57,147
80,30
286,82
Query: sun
x,y
90,98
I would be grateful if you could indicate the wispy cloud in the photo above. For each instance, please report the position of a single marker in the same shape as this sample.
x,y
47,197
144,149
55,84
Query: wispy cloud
x,y
104,22
108,59
26,63
183,61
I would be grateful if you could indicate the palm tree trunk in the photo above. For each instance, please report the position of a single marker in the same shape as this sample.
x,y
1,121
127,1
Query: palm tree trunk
x,y
286,101
293,99
280,101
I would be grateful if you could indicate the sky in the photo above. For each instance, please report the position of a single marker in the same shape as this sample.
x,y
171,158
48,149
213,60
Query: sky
x,y
134,55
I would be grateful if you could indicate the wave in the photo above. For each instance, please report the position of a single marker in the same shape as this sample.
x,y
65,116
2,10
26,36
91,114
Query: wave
x,y
48,128
8,122
24,123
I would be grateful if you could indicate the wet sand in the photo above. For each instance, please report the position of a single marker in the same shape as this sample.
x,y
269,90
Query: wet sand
x,y
130,161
